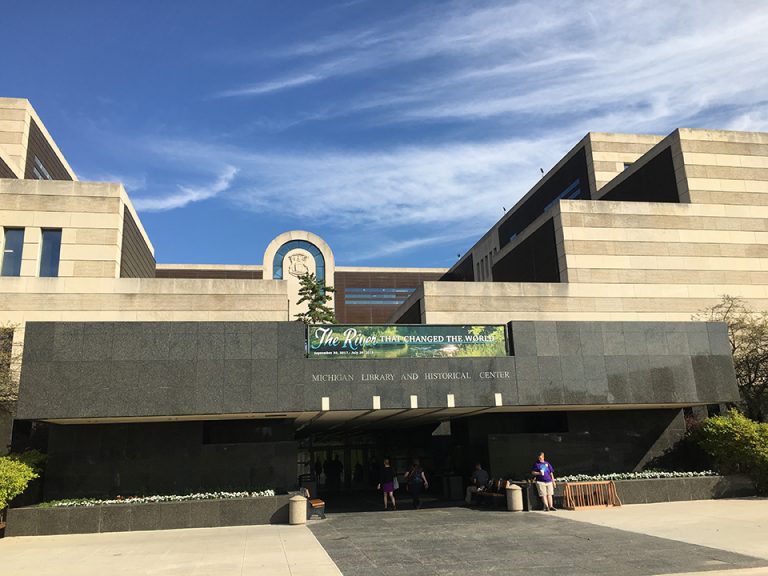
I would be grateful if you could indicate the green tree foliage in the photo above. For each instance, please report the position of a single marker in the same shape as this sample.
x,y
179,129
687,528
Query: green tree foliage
x,y
748,334
9,367
32,458
317,297
15,476
737,444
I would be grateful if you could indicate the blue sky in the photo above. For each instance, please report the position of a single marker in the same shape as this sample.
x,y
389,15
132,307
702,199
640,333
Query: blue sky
x,y
394,130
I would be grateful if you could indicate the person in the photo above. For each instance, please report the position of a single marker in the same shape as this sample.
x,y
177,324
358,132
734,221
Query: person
x,y
387,484
318,470
337,473
545,481
417,481
478,480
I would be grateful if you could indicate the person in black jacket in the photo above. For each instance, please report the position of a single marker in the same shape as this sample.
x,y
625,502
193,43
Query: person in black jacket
x,y
387,483
417,482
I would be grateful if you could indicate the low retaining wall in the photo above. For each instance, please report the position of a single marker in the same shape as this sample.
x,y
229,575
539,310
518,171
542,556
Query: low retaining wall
x,y
666,490
35,521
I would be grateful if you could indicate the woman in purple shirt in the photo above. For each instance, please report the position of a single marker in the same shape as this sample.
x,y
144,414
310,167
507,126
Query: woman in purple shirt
x,y
545,481
387,483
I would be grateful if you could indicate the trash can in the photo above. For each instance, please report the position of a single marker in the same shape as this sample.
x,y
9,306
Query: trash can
x,y
514,498
297,510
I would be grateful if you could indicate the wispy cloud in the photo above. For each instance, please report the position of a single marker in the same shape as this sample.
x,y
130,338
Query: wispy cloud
x,y
271,86
132,183
391,247
627,62
187,194
455,107
449,185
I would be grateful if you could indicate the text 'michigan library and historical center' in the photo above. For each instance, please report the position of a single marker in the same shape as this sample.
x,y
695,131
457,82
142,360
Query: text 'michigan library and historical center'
x,y
567,328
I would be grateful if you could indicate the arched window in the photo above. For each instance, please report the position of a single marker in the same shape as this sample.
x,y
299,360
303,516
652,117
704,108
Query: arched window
x,y
277,266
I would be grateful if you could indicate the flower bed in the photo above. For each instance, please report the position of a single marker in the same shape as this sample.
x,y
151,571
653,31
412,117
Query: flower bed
x,y
643,488
207,510
154,499
645,475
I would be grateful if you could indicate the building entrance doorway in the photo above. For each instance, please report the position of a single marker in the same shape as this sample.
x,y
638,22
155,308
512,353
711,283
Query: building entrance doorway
x,y
347,466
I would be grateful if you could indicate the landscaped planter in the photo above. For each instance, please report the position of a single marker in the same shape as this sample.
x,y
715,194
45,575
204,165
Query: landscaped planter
x,y
35,521
650,490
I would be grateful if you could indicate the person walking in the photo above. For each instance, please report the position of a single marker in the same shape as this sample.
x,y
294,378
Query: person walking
x,y
545,482
416,483
387,483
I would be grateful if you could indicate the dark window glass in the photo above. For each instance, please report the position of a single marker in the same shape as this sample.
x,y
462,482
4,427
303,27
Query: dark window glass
x,y
49,258
246,431
39,170
14,241
364,296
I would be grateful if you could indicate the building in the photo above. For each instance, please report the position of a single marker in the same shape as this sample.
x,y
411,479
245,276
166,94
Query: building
x,y
169,378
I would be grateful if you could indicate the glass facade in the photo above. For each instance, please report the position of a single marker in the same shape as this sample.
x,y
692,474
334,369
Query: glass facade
x,y
388,296
49,257
12,246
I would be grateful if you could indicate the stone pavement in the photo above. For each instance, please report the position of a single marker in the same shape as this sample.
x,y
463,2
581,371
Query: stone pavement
x,y
233,551
460,541
738,525
712,537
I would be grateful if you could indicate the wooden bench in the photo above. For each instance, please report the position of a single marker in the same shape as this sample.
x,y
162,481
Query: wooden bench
x,y
598,494
494,492
314,505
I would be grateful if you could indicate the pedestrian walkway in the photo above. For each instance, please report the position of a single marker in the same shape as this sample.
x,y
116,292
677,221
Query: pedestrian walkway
x,y
234,551
708,537
469,541
738,525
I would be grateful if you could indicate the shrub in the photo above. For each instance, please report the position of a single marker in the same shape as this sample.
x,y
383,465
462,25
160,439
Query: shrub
x,y
14,478
33,458
737,444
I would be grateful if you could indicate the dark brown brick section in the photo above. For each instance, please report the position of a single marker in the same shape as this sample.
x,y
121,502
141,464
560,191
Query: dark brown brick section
x,y
210,273
373,313
136,260
5,171
38,146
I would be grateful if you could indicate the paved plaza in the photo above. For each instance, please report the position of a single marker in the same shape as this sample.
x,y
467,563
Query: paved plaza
x,y
718,537
233,551
460,541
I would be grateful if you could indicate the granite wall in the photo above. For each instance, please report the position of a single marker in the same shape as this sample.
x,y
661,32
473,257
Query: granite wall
x,y
139,369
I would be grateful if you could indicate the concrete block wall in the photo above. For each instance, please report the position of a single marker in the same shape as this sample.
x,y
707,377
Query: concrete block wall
x,y
90,215
724,167
661,243
607,154
16,118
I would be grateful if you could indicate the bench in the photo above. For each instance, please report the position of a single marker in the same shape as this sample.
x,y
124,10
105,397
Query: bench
x,y
314,505
594,494
494,492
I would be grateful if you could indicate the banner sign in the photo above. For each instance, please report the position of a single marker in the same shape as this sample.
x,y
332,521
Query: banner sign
x,y
404,341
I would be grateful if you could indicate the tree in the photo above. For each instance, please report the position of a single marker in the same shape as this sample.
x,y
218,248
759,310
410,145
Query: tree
x,y
15,476
316,295
748,334
737,445
9,368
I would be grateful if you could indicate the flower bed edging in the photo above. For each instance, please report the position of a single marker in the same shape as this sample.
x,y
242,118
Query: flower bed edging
x,y
37,521
651,490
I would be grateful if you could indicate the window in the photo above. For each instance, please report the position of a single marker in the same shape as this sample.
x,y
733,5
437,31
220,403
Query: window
x,y
627,165
49,257
377,296
12,245
39,170
572,191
